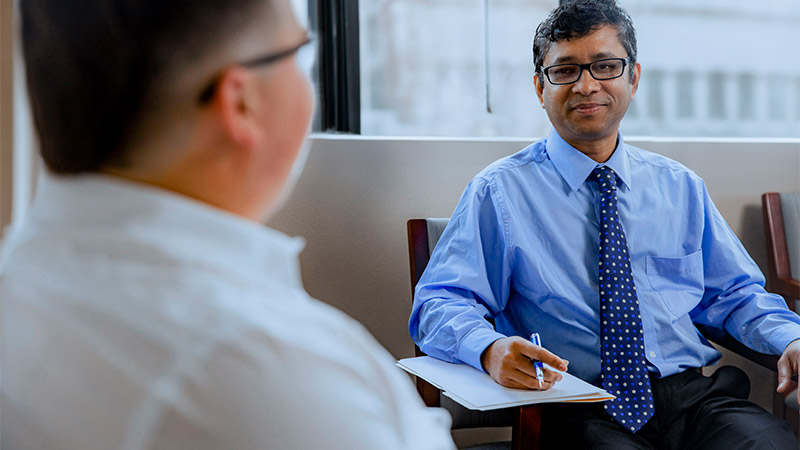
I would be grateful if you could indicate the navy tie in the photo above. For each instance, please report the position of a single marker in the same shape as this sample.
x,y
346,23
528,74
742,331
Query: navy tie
x,y
624,370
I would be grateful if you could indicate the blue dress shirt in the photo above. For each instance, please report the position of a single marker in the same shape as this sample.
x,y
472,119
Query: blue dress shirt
x,y
522,248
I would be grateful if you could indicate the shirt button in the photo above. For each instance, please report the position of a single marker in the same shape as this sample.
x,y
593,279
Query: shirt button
x,y
652,354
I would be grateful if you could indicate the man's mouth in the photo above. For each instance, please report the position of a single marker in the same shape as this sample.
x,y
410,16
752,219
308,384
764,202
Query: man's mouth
x,y
587,108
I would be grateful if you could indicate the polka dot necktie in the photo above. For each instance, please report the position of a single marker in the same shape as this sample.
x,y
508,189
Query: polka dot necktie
x,y
624,370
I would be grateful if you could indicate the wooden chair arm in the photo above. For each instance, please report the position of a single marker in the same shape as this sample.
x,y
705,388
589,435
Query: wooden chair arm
x,y
428,392
525,421
526,428
788,288
791,283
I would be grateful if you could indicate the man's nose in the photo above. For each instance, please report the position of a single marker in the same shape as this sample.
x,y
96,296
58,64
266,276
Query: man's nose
x,y
586,84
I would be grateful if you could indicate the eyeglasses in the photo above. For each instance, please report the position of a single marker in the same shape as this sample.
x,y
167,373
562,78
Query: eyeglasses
x,y
306,55
604,69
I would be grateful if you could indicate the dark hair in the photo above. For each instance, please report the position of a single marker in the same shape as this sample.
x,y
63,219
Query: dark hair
x,y
576,19
94,66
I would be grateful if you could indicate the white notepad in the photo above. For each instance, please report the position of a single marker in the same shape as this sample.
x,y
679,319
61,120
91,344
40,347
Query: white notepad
x,y
476,390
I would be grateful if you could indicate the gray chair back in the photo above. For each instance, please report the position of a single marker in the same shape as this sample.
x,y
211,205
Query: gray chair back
x,y
436,227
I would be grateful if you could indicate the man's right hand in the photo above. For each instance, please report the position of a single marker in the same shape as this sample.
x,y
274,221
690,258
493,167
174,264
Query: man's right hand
x,y
509,363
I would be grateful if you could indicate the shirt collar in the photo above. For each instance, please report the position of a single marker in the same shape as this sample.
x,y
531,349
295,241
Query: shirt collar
x,y
167,223
575,167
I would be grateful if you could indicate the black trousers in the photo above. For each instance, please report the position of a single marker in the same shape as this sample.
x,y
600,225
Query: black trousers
x,y
693,412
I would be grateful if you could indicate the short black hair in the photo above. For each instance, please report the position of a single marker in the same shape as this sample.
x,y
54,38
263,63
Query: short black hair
x,y
92,66
576,19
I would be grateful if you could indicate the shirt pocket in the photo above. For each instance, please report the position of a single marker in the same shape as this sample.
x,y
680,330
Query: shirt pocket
x,y
678,280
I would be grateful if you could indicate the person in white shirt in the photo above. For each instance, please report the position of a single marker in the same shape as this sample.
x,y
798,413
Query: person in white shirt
x,y
144,306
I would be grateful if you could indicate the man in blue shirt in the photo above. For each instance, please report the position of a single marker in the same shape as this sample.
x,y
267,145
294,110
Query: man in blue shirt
x,y
536,244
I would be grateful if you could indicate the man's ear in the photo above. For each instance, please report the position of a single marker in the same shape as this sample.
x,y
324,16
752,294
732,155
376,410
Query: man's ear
x,y
637,72
237,103
539,89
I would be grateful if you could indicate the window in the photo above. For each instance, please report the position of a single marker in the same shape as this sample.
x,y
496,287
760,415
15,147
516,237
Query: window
x,y
464,68
725,68
436,68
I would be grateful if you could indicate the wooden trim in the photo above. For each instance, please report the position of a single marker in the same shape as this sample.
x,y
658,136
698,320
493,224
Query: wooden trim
x,y
779,273
429,393
788,288
526,428
776,236
418,254
779,281
418,257
7,43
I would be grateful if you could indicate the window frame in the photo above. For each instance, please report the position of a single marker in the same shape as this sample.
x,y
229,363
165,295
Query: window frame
x,y
339,78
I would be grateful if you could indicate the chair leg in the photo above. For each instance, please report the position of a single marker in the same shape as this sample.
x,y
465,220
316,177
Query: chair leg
x,y
780,409
526,428
778,405
794,418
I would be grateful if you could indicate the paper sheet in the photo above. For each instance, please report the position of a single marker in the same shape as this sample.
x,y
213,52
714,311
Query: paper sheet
x,y
476,390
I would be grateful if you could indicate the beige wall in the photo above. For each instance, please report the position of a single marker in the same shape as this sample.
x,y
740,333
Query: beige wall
x,y
356,194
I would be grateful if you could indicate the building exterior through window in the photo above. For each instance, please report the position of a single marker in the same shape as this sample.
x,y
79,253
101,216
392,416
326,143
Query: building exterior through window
x,y
710,68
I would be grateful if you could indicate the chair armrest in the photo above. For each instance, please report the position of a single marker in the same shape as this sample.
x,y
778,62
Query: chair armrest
x,y
791,283
428,392
525,421
725,340
788,288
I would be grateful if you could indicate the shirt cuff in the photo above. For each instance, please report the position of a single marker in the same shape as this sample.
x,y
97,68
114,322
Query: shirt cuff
x,y
783,336
473,345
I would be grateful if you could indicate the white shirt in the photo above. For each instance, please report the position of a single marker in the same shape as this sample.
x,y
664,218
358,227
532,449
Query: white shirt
x,y
136,318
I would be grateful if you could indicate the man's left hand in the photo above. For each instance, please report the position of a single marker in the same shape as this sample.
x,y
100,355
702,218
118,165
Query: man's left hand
x,y
789,365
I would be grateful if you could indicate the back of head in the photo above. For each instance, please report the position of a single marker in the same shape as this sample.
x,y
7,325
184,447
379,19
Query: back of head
x,y
577,18
95,69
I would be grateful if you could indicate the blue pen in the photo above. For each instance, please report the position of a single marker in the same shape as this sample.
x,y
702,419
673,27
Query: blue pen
x,y
538,364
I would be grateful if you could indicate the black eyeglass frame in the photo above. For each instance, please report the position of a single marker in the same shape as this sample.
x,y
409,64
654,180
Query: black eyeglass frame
x,y
588,68
208,92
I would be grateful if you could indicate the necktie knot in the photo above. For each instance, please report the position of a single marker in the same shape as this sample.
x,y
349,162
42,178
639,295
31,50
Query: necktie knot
x,y
606,178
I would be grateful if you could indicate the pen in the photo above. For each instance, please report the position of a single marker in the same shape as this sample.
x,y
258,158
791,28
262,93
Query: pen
x,y
538,364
